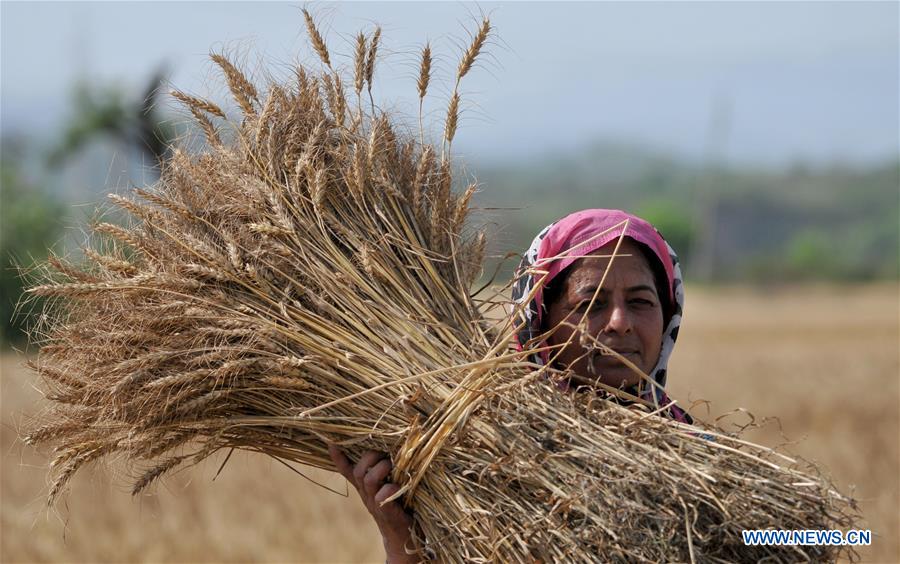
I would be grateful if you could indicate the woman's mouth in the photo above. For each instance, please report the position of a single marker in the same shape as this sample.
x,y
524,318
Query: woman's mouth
x,y
604,356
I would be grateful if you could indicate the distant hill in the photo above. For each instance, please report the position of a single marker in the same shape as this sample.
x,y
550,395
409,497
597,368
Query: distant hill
x,y
835,222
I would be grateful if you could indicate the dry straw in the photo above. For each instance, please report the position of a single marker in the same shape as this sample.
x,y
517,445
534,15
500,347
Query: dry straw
x,y
309,283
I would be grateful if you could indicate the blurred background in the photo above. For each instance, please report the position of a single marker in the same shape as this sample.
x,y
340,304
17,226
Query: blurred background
x,y
760,137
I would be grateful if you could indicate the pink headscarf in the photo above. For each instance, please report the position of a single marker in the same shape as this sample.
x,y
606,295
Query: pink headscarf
x,y
561,243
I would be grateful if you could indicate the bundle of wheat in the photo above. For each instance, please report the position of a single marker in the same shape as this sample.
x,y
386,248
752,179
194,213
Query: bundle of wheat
x,y
308,282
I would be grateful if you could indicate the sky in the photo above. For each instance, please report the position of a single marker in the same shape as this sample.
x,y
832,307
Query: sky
x,y
745,82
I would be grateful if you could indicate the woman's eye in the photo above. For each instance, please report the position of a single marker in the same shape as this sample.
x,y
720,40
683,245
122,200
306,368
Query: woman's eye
x,y
583,306
642,302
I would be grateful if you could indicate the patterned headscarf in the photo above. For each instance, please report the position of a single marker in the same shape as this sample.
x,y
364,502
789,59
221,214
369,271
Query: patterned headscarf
x,y
563,242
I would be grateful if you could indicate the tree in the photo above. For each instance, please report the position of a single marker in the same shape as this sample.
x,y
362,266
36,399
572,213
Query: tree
x,y
29,224
103,111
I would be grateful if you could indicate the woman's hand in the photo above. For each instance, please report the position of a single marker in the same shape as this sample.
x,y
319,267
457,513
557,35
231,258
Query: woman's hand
x,y
368,477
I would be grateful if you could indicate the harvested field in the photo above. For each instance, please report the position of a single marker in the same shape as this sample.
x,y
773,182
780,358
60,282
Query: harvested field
x,y
824,360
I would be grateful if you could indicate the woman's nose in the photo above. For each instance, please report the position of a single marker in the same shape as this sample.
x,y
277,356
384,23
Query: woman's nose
x,y
619,320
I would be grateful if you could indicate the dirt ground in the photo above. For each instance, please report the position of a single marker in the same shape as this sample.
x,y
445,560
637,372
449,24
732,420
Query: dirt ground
x,y
824,360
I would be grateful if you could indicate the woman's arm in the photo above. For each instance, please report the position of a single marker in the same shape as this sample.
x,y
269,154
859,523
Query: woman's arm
x,y
368,477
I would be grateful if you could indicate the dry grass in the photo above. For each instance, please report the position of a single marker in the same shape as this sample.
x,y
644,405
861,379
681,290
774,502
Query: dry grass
x,y
823,360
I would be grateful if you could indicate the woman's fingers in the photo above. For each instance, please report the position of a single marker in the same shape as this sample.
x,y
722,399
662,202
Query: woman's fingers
x,y
393,511
368,476
366,462
385,492
376,475
341,462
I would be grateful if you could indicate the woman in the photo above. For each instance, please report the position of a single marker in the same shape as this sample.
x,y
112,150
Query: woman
x,y
599,293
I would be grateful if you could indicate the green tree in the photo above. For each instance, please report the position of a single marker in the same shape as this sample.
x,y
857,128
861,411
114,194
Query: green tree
x,y
29,225
103,111
811,255
673,221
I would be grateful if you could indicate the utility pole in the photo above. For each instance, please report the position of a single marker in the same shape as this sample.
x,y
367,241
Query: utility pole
x,y
706,191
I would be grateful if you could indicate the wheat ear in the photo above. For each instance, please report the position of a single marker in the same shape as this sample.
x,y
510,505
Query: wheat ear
x,y
242,89
465,65
422,85
316,38
370,64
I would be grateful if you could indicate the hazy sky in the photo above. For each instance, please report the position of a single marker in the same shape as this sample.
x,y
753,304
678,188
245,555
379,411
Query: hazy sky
x,y
807,80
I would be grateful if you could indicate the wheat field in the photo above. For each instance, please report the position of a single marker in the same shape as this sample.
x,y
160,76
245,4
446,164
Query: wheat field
x,y
824,360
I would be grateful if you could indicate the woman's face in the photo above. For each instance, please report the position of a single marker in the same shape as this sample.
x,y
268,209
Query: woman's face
x,y
626,316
